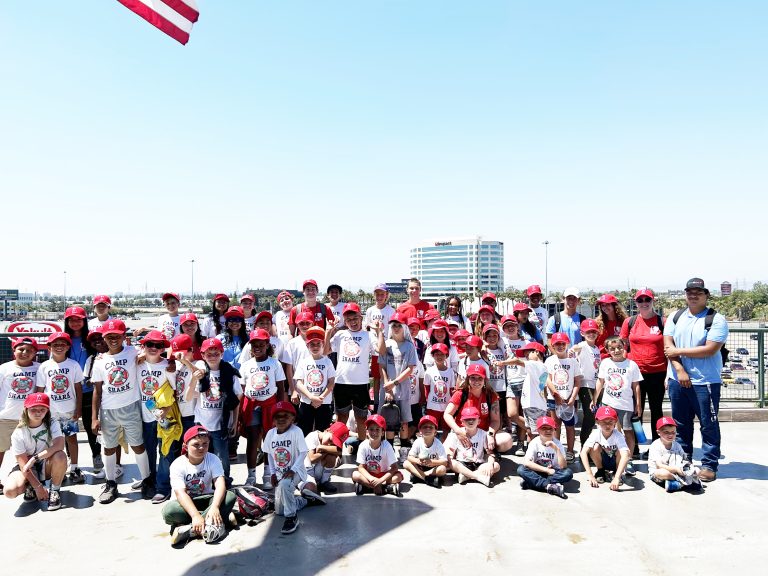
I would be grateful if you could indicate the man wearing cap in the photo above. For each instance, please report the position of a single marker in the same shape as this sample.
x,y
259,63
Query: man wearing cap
x,y
541,316
354,348
200,494
102,304
415,307
320,312
569,320
692,341
17,380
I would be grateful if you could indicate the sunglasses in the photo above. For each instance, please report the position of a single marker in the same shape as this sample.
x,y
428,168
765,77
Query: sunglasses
x,y
155,345
643,300
235,320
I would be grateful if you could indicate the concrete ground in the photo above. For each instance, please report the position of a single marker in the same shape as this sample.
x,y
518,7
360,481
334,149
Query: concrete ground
x,y
455,530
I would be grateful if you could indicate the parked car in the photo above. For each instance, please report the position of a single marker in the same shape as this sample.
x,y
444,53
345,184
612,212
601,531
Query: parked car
x,y
742,351
737,366
735,358
745,382
753,336
753,362
725,371
727,380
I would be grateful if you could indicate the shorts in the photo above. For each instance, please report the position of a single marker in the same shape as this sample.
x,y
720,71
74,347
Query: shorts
x,y
39,469
625,419
531,415
503,404
255,417
608,460
6,431
127,418
374,372
355,396
472,466
567,422
417,411
516,389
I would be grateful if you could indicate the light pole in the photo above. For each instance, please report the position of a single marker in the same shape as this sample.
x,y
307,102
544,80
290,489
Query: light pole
x,y
192,303
546,271
65,289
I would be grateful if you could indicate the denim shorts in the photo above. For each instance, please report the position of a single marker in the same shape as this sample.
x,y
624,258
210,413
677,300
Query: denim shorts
x,y
531,415
516,389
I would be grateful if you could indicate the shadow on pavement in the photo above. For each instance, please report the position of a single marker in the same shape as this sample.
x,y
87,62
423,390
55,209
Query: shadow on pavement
x,y
743,471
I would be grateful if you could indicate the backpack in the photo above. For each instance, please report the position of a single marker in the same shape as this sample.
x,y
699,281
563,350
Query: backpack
x,y
390,411
708,319
633,319
557,320
252,503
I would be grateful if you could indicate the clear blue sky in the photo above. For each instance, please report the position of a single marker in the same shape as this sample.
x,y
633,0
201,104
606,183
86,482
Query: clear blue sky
x,y
323,139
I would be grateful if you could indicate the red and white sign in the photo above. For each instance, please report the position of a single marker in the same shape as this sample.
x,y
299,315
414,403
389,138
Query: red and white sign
x,y
41,326
174,17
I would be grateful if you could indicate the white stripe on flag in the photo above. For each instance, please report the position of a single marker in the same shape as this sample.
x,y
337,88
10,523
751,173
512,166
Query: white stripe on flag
x,y
169,14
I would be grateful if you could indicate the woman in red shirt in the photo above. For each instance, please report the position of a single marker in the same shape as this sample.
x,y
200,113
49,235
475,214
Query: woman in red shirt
x,y
609,321
645,335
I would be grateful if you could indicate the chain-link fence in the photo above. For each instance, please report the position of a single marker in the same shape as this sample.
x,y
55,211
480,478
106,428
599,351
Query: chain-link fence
x,y
743,374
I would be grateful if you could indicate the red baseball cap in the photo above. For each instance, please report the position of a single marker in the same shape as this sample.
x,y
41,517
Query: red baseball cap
x,y
182,343
307,282
438,325
462,333
521,306
25,340
559,337
427,420
665,421
533,289
474,341
193,432
545,421
221,296
102,299
440,347
486,308
607,299
412,322
74,312
605,413
644,292
487,296
37,399
211,343
589,325
155,336
187,317
234,312
113,327
398,317
283,294
489,327
250,297
262,314
470,412
339,433
305,317
258,334
315,333
521,352
377,419
169,295
283,406
476,370
59,336
92,334
350,307
431,314
509,318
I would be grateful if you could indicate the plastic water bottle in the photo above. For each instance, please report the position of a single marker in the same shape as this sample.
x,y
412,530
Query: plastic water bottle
x,y
637,426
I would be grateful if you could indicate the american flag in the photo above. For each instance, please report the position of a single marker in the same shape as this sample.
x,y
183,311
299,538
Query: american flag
x,y
174,17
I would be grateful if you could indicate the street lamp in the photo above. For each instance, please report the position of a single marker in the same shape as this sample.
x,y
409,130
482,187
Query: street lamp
x,y
65,288
192,303
546,270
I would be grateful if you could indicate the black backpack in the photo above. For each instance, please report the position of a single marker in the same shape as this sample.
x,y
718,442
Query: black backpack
x,y
724,352
633,319
557,320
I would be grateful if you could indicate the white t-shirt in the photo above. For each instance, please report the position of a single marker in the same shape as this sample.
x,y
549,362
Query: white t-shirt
x,y
544,455
534,393
539,318
337,313
151,377
183,378
617,383
94,323
210,404
589,361
375,313
277,346
293,350
614,442
280,320
440,385
15,383
563,372
315,374
465,363
416,376
286,451
119,376
377,461
476,452
261,378
453,357
197,479
657,454
30,441
312,440
436,451
515,374
496,372
354,351
208,327
169,325
58,380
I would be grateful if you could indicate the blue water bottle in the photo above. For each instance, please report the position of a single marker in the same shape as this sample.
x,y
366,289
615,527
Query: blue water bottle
x,y
637,426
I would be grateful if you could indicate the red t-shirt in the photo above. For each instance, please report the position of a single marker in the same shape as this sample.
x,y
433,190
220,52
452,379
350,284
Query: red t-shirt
x,y
611,328
415,310
646,344
316,310
482,403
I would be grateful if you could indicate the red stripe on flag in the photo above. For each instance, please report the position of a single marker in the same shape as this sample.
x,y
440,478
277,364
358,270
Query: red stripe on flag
x,y
183,8
156,20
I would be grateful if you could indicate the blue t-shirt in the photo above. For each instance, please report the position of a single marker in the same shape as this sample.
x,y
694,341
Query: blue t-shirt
x,y
79,354
232,349
567,325
689,332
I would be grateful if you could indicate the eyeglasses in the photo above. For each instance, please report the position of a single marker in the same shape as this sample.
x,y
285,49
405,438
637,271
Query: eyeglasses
x,y
644,300
235,320
155,345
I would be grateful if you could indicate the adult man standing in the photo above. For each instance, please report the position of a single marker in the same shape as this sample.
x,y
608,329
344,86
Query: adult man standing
x,y
692,341
415,307
569,320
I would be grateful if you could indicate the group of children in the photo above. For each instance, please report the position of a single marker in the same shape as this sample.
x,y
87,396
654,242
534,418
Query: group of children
x,y
178,403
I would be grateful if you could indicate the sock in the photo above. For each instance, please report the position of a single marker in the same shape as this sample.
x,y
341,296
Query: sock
x,y
267,471
142,460
326,475
55,486
252,472
110,467
72,466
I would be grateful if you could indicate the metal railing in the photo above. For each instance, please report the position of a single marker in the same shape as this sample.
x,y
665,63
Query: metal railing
x,y
744,373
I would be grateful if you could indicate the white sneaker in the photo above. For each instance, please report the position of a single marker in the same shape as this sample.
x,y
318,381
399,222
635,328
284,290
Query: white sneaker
x,y
463,479
100,475
250,481
267,484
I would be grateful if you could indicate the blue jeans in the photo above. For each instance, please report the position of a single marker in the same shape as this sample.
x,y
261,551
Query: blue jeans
x,y
702,402
150,444
163,480
539,481
220,441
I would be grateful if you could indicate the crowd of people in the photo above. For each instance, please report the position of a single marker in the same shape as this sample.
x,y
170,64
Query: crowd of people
x,y
404,389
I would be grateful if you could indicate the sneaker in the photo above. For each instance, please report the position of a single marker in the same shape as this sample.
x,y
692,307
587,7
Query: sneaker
x,y
415,479
672,485
29,494
600,476
520,449
267,484
98,463
250,481
290,525
99,474
260,458
328,488
394,489
524,485
76,476
569,456
485,480
463,479
181,535
147,488
54,500
118,472
137,484
630,471
707,475
359,489
313,498
109,492
434,481
557,489
160,498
